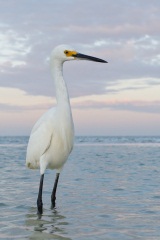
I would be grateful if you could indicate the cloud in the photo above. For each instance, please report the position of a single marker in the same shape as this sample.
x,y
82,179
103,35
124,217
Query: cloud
x,y
29,32
132,84
132,106
136,106
13,99
126,34
18,100
14,48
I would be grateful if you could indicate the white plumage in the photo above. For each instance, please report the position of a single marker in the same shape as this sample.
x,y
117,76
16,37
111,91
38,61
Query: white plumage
x,y
52,137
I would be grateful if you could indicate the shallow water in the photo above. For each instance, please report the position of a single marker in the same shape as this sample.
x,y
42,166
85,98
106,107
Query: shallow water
x,y
109,189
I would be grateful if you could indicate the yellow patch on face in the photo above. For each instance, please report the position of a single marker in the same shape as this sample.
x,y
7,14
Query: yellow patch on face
x,y
70,53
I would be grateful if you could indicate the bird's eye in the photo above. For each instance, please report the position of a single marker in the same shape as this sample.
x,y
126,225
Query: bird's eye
x,y
66,52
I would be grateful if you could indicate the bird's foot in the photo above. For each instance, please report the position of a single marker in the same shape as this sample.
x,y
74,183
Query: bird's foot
x,y
39,206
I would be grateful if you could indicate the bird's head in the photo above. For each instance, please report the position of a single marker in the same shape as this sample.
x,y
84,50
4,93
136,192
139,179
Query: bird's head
x,y
65,53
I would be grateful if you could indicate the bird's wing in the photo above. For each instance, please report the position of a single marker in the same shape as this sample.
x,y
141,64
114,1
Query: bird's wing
x,y
41,136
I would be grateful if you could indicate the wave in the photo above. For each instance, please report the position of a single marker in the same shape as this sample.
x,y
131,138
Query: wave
x,y
23,140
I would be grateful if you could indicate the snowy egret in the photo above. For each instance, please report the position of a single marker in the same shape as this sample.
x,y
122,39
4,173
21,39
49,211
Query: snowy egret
x,y
52,137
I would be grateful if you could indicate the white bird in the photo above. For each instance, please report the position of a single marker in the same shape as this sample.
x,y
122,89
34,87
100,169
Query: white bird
x,y
52,137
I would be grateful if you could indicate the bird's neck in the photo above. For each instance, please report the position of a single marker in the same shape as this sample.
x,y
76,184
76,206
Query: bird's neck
x,y
62,96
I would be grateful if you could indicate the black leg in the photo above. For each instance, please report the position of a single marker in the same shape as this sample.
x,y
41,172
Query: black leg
x,y
39,199
53,196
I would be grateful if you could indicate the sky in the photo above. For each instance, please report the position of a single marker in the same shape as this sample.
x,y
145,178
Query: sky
x,y
121,97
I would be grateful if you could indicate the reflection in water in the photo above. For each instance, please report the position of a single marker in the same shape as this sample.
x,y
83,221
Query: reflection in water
x,y
50,225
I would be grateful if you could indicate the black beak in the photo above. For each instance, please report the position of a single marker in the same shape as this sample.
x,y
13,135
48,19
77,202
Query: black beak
x,y
86,57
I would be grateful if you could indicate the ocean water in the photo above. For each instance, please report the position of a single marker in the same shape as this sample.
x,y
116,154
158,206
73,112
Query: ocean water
x,y
109,189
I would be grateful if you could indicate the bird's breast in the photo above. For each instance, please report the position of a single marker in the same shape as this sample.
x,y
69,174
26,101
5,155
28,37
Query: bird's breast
x,y
60,148
62,141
